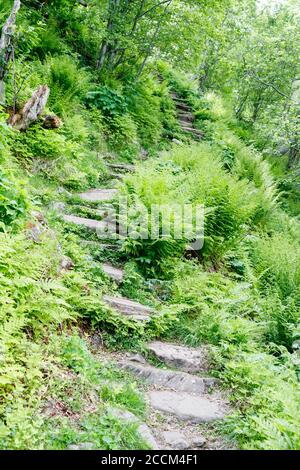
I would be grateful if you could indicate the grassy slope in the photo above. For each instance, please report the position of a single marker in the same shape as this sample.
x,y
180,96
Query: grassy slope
x,y
241,297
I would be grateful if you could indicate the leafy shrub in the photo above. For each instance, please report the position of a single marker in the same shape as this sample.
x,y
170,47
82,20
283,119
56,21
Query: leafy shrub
x,y
107,100
271,418
122,135
67,81
144,106
276,261
37,142
192,175
13,200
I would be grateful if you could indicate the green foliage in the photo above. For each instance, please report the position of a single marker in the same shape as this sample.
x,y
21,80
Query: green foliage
x,y
272,417
191,175
13,200
276,268
67,81
107,100
240,295
40,143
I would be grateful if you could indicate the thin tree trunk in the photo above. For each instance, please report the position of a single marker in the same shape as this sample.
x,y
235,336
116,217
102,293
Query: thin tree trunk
x,y
152,43
104,49
6,46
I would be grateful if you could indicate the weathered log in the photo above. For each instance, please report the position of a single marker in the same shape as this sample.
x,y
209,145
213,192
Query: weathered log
x,y
6,47
32,109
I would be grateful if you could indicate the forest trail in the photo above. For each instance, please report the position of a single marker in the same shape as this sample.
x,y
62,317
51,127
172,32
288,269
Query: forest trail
x,y
179,391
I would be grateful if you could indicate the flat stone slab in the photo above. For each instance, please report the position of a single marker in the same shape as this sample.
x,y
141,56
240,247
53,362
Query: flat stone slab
x,y
182,105
98,195
187,118
190,129
117,176
174,380
121,167
186,407
114,273
132,309
180,357
96,225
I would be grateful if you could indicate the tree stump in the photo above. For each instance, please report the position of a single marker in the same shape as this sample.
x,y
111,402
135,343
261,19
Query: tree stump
x,y
32,109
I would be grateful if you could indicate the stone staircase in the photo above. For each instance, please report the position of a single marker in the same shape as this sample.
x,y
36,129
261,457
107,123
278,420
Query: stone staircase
x,y
180,391
186,117
179,388
131,309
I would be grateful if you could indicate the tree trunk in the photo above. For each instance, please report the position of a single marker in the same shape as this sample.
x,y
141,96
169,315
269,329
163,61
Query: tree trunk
x,y
6,46
105,46
152,43
32,109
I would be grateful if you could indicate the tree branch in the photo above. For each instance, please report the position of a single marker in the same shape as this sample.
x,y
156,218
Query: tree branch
x,y
271,85
152,8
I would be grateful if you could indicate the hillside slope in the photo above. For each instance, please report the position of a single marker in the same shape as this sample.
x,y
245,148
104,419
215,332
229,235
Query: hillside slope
x,y
101,332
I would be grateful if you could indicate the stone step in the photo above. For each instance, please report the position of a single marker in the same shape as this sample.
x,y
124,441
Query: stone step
x,y
183,106
121,167
117,176
95,225
180,357
114,273
192,130
176,97
101,246
173,380
127,307
98,195
186,125
187,407
86,210
186,117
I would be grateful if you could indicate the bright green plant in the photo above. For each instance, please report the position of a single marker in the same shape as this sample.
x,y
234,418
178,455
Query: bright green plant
x,y
13,200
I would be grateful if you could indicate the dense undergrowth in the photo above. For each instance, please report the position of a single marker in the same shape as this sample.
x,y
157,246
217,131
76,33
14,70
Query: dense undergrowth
x,y
240,294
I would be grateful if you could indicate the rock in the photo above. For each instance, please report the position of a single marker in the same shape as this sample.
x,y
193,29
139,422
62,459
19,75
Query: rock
x,y
180,357
192,130
128,307
186,116
186,407
146,435
198,441
144,154
177,142
283,149
121,166
176,440
34,232
174,380
137,358
101,227
117,176
39,217
183,106
66,264
82,446
51,121
59,207
98,195
112,272
143,429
